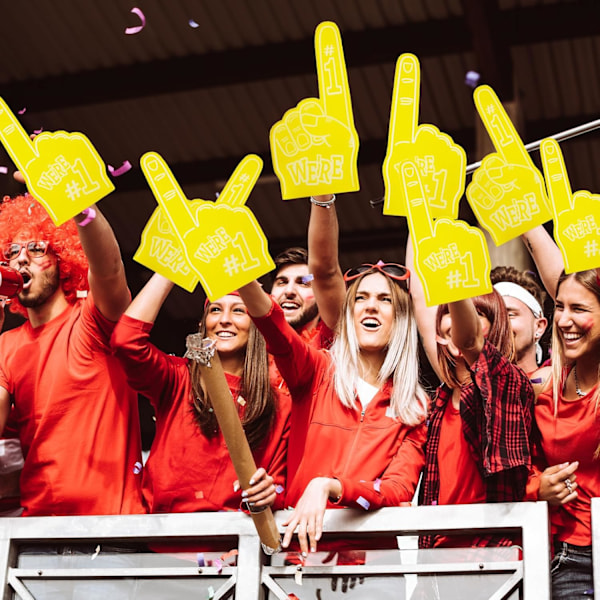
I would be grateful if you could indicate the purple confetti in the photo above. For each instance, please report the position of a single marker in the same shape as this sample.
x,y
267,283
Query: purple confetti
x,y
363,502
200,559
126,166
472,79
377,485
307,278
279,489
137,468
193,24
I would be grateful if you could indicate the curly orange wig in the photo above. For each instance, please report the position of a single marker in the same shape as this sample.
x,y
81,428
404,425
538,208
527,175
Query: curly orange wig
x,y
23,214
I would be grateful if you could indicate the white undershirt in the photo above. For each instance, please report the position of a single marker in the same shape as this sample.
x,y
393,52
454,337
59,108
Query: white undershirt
x,y
365,392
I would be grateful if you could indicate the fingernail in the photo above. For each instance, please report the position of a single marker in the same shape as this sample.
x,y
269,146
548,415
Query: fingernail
x,y
313,549
304,555
244,494
251,482
236,486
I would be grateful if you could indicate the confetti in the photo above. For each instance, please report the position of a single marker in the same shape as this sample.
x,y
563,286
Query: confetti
x,y
96,552
279,489
22,111
4,170
536,380
377,485
140,14
200,559
229,554
218,563
363,502
38,131
80,293
126,166
472,79
211,592
137,468
307,278
193,24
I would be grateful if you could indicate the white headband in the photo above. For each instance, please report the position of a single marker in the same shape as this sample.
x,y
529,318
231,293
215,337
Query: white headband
x,y
507,288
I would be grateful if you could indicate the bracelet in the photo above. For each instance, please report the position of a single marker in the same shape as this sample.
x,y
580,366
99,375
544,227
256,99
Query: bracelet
x,y
323,204
90,215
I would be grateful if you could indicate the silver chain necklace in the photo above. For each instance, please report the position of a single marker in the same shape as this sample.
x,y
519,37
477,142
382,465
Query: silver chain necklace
x,y
577,388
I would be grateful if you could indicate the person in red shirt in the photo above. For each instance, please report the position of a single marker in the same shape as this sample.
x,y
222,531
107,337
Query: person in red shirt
x,y
566,472
77,419
478,442
366,409
189,468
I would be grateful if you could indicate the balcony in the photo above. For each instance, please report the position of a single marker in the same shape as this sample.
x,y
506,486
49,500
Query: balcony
x,y
214,556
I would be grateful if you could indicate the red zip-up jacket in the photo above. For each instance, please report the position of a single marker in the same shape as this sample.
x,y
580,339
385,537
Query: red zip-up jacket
x,y
376,457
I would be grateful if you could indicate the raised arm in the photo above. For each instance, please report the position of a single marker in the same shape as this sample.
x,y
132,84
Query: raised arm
x,y
257,302
108,283
546,255
425,315
146,305
328,281
466,330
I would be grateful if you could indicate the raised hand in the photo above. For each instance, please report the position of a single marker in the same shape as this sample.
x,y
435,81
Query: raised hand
x,y
315,146
451,258
221,241
62,170
441,162
576,216
507,192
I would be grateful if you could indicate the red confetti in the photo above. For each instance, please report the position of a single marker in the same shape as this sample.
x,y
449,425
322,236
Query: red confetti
x,y
137,29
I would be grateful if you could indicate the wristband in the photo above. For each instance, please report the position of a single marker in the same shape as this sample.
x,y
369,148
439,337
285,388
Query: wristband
x,y
90,215
323,204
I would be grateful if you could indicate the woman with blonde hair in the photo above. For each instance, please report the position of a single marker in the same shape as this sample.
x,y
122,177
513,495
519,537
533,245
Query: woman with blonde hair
x,y
567,416
365,427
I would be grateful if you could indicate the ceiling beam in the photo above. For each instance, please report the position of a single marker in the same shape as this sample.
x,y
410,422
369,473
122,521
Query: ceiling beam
x,y
522,25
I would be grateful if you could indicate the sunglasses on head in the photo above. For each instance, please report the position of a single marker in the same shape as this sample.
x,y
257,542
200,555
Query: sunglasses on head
x,y
394,271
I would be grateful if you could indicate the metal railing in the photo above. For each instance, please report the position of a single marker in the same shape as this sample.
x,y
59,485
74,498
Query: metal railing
x,y
29,569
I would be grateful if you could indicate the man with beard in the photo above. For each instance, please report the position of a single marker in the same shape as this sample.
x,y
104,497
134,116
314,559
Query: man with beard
x,y
77,419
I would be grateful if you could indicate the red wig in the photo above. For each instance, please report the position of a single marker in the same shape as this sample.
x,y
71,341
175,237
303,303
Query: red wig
x,y
24,215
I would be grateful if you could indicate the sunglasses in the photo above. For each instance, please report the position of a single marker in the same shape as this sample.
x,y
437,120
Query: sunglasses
x,y
34,249
394,271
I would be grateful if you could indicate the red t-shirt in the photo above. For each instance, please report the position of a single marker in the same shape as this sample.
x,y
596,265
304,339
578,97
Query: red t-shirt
x,y
78,420
187,471
571,435
460,480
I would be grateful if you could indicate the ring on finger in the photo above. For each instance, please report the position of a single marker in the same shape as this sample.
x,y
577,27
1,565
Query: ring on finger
x,y
569,485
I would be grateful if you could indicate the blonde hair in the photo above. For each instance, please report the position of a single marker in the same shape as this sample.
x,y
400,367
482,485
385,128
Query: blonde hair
x,y
408,400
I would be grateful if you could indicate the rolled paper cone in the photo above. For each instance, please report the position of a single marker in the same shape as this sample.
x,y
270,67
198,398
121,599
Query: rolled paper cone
x,y
237,443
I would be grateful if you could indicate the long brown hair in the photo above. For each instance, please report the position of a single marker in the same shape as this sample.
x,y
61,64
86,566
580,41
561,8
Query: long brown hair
x,y
500,334
256,389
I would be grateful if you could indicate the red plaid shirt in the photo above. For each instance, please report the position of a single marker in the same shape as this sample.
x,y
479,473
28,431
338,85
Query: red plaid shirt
x,y
496,409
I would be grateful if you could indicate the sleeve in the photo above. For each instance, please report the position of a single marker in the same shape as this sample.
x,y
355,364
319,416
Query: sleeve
x,y
278,466
398,482
296,360
149,371
507,411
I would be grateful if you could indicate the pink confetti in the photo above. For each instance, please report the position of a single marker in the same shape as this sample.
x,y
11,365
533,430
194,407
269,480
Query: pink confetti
x,y
4,170
219,564
140,14
22,111
38,131
126,166
377,485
